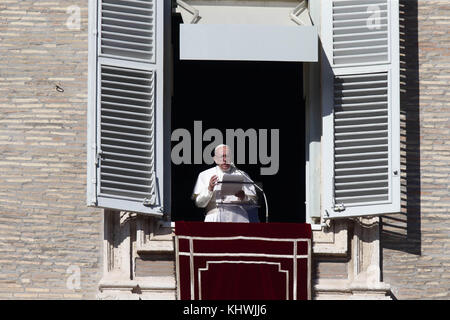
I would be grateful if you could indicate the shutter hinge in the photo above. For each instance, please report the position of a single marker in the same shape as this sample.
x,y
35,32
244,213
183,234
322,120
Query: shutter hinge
x,y
94,202
150,200
98,157
339,207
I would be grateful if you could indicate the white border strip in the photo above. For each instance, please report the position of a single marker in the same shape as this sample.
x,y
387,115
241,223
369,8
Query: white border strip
x,y
244,238
244,262
191,267
309,271
287,256
177,266
294,269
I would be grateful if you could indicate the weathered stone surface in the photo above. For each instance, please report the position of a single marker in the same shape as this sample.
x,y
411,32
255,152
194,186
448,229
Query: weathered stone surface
x,y
48,237
415,249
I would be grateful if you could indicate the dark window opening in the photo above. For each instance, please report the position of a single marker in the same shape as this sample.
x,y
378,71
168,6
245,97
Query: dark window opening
x,y
232,95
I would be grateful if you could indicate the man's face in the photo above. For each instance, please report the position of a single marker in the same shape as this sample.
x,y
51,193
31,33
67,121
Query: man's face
x,y
222,158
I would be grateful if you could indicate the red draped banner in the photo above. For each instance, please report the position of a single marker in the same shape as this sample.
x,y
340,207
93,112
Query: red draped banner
x,y
243,261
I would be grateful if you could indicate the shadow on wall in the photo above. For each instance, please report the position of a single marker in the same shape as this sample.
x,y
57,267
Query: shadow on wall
x,y
402,231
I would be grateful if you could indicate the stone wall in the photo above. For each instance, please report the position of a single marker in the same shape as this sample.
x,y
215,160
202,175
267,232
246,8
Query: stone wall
x,y
416,243
47,234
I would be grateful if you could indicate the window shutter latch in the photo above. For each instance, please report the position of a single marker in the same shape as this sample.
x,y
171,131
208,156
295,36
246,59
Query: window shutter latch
x,y
339,207
148,202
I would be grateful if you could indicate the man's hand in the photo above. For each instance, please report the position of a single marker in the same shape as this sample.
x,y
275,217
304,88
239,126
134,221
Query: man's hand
x,y
240,195
212,182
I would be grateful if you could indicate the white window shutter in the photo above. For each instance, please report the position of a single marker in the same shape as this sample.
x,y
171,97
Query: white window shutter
x,y
127,29
361,31
126,97
361,107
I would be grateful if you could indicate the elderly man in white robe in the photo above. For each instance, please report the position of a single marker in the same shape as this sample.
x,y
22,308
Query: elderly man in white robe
x,y
207,193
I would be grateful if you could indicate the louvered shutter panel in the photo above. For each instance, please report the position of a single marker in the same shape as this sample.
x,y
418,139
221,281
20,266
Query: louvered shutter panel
x,y
126,131
360,32
127,29
126,97
360,104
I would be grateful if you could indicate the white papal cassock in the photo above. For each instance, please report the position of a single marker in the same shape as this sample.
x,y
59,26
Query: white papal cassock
x,y
216,211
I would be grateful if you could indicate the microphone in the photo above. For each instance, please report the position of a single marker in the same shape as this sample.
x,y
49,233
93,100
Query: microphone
x,y
246,175
258,187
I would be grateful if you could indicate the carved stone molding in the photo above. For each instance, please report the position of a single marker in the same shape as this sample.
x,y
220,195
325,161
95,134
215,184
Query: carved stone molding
x,y
153,235
116,245
366,251
363,275
139,259
331,240
128,238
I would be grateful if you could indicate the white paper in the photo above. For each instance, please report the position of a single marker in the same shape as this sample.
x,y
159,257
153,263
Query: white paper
x,y
231,184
